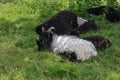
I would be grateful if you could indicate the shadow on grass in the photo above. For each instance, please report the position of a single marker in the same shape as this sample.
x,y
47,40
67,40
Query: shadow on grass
x,y
21,31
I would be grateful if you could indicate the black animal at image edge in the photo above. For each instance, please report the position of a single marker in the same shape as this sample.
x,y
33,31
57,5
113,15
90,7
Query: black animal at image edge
x,y
111,14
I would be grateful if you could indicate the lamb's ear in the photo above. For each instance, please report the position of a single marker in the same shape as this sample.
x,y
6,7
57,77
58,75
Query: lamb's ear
x,y
91,21
43,29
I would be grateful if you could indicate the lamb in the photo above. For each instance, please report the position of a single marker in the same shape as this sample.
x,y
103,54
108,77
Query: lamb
x,y
99,42
60,44
84,26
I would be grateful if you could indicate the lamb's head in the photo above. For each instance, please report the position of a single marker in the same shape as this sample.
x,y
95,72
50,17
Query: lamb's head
x,y
92,25
87,26
105,43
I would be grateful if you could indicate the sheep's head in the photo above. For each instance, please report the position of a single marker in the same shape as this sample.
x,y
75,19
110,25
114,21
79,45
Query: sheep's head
x,y
46,37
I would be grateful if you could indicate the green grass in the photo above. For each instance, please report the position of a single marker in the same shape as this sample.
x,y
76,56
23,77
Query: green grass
x,y
20,59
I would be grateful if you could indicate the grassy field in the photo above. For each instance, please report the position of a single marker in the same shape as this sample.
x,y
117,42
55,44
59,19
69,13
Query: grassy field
x,y
20,59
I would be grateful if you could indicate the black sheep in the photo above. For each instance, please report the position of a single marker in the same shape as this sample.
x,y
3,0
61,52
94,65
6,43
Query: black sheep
x,y
113,15
60,22
72,16
63,21
97,10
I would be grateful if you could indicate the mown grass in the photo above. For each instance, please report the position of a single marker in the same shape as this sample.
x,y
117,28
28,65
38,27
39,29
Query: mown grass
x,y
20,60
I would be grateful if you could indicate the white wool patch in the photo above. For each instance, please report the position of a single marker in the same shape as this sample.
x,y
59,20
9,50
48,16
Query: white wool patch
x,y
83,49
81,21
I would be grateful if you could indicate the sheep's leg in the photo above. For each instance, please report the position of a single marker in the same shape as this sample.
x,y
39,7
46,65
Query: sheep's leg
x,y
72,57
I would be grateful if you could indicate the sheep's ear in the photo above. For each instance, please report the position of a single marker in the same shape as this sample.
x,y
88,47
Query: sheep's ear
x,y
43,29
